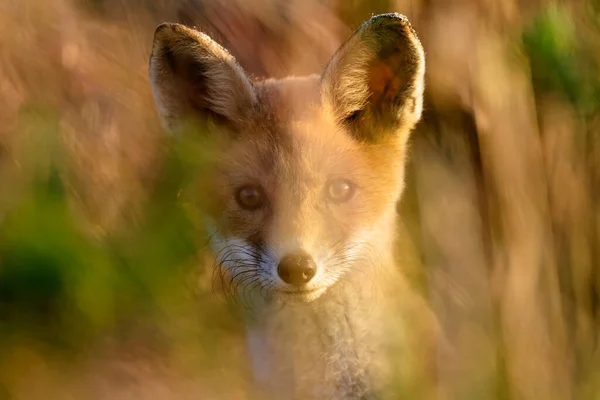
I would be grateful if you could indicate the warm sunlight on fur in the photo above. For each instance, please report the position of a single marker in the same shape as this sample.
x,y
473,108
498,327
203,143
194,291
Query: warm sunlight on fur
x,y
299,198
303,198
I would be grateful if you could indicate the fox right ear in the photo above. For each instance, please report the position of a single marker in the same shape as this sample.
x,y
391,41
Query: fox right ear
x,y
374,83
193,76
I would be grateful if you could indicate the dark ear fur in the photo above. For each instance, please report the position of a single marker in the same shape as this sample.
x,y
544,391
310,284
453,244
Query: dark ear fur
x,y
374,83
193,76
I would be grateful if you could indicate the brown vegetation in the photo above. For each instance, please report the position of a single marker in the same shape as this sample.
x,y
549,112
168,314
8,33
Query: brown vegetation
x,y
500,222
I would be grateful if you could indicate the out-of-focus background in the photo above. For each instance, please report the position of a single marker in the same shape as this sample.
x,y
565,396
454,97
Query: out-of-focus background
x,y
101,293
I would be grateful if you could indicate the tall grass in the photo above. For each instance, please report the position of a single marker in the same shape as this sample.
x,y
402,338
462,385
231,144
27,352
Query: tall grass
x,y
105,285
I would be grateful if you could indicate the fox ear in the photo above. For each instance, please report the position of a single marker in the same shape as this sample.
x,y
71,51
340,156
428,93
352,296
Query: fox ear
x,y
374,83
193,76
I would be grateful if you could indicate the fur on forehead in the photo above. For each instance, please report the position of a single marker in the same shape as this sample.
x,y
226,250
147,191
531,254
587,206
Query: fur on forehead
x,y
291,137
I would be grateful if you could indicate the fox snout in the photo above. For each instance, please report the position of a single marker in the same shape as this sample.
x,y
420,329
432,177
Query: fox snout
x,y
297,269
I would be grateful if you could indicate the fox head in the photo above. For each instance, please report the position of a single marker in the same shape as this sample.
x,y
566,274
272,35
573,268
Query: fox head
x,y
307,171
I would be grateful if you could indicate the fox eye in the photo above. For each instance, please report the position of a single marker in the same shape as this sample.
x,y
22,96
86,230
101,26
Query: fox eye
x,y
250,197
340,190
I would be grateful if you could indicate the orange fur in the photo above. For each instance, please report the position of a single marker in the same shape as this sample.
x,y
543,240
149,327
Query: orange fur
x,y
291,138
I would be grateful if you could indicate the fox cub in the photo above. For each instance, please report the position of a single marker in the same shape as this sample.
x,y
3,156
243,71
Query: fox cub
x,y
302,200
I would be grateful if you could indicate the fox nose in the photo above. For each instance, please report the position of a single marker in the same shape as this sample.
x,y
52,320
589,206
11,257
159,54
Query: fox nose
x,y
297,269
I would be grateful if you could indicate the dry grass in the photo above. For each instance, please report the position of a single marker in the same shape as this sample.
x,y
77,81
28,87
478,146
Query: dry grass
x,y
500,224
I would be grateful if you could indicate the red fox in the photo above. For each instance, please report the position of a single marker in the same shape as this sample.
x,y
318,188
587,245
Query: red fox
x,y
302,200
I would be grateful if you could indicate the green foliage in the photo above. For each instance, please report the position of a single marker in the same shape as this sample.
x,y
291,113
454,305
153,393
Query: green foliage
x,y
45,260
562,58
63,287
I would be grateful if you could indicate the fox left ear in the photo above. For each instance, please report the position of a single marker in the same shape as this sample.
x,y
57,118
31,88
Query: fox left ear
x,y
374,83
193,76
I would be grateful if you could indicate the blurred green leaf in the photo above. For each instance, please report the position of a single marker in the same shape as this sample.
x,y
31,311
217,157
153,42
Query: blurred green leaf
x,y
561,58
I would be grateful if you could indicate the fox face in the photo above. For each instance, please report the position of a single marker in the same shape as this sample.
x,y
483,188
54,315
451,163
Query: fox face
x,y
306,172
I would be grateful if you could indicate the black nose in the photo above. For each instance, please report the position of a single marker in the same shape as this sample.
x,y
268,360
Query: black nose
x,y
297,269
